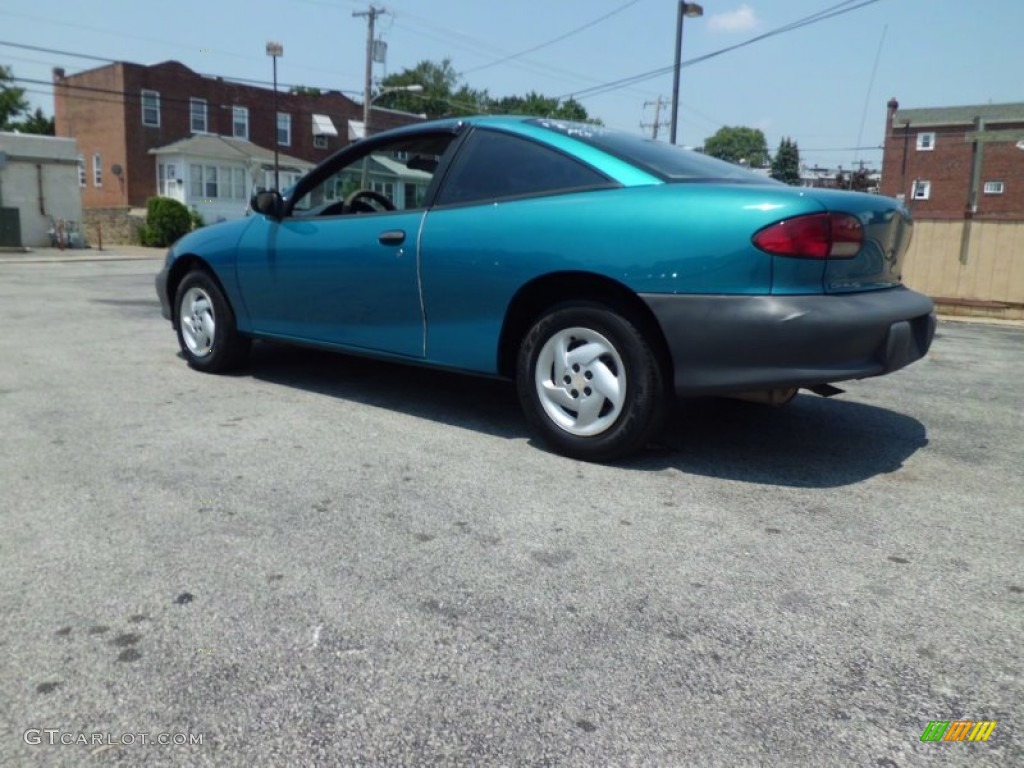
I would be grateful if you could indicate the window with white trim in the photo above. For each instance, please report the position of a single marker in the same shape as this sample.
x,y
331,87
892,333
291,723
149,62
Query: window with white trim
x,y
993,188
240,122
926,140
195,176
197,111
210,182
97,170
287,179
167,175
82,178
922,190
151,108
284,129
238,183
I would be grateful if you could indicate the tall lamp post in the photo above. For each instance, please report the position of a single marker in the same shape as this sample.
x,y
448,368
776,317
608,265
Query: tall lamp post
x,y
273,51
685,9
367,103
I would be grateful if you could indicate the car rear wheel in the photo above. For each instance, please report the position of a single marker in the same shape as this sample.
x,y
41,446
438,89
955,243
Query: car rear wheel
x,y
590,383
207,333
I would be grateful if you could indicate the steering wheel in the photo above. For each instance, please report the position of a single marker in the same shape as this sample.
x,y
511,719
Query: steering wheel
x,y
357,202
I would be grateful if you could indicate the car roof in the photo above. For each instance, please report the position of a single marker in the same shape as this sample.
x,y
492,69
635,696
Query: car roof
x,y
618,169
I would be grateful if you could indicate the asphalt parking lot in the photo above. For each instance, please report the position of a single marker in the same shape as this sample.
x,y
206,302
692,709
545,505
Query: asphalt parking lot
x,y
331,561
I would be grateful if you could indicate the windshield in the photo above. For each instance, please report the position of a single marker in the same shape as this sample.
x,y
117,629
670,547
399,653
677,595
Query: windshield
x,y
665,160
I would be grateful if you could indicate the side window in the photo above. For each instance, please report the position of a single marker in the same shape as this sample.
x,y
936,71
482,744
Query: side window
x,y
495,165
395,177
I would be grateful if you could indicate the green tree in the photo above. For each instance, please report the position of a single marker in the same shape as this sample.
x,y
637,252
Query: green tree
x,y
445,94
534,103
786,163
36,122
738,143
12,99
13,105
305,90
861,181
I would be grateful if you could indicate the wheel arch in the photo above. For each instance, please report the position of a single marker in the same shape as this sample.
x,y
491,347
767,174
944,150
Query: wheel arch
x,y
534,298
181,267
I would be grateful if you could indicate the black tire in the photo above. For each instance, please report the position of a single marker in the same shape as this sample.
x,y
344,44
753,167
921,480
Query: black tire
x,y
607,424
205,306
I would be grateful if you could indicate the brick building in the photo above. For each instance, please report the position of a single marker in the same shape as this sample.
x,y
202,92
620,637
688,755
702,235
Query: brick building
x,y
120,113
956,162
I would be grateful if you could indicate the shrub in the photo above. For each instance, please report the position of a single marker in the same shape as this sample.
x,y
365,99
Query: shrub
x,y
196,218
166,221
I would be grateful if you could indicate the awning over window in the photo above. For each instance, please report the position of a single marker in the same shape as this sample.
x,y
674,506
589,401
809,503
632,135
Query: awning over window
x,y
356,130
322,126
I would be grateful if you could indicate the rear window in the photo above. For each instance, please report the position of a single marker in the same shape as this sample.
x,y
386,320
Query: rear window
x,y
664,160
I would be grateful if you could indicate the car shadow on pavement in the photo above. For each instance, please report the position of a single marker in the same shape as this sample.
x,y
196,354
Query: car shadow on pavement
x,y
472,402
812,442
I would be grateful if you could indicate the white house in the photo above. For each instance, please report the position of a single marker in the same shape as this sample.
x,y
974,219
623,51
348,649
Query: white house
x,y
216,175
405,186
41,180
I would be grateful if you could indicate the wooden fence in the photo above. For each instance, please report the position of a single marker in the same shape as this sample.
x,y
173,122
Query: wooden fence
x,y
969,267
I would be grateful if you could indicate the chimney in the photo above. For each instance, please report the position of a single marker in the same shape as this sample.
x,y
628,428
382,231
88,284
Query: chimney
x,y
893,105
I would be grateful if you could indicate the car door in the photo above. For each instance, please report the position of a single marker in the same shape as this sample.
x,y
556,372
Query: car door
x,y
342,274
509,209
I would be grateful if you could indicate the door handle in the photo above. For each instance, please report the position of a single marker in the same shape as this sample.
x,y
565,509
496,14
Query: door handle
x,y
392,237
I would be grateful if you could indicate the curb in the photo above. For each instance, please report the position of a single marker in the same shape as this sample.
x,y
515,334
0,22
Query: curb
x,y
55,256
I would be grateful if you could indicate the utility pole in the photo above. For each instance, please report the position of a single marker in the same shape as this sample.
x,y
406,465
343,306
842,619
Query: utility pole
x,y
657,117
371,18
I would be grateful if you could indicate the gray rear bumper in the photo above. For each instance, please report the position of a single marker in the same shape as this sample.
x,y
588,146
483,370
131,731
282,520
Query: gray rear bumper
x,y
722,344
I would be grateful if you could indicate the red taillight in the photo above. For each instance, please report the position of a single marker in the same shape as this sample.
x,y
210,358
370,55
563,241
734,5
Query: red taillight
x,y
815,236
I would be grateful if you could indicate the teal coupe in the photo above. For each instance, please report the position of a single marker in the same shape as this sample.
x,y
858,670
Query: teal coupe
x,y
604,272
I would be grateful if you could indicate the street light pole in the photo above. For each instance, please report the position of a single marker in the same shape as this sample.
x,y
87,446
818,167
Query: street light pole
x,y
685,9
371,15
371,19
274,50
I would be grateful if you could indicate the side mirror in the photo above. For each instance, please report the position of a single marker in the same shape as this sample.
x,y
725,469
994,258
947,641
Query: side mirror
x,y
269,203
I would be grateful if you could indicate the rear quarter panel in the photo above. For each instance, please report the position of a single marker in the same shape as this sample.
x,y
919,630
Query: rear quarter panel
x,y
688,238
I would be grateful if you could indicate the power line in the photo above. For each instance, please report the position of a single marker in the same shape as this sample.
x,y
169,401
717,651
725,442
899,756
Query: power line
x,y
828,13
164,42
106,60
871,85
56,50
476,48
113,96
554,40
842,149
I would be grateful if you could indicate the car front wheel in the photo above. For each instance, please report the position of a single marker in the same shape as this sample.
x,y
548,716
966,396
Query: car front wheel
x,y
206,326
590,383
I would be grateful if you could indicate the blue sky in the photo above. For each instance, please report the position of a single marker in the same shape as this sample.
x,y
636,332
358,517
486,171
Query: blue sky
x,y
811,84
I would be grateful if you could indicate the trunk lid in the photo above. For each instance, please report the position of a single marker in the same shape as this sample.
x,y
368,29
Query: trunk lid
x,y
887,230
